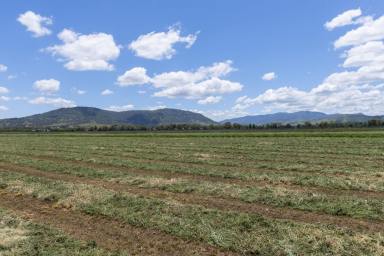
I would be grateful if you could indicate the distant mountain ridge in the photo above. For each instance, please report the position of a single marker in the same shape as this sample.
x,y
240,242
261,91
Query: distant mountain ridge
x,y
301,117
81,116
88,116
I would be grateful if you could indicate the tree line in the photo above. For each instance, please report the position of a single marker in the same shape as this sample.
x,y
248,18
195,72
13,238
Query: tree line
x,y
199,127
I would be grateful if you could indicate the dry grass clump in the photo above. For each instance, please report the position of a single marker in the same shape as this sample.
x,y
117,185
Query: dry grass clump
x,y
10,236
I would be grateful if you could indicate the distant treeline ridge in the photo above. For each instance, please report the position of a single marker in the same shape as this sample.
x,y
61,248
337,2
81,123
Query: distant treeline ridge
x,y
193,127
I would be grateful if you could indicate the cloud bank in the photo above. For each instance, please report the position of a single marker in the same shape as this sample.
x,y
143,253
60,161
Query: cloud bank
x,y
357,88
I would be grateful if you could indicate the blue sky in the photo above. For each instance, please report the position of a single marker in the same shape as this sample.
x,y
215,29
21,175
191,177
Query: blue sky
x,y
220,58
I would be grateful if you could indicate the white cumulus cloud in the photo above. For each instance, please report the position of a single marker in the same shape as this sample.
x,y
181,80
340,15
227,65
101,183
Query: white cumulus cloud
x,y
282,99
269,76
3,90
210,100
195,85
35,23
3,68
80,92
220,115
371,30
86,52
160,45
3,108
106,92
371,54
20,98
156,107
134,76
47,85
343,19
121,108
199,84
56,102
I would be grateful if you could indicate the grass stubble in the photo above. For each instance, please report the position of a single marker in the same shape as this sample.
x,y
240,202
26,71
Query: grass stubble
x,y
227,230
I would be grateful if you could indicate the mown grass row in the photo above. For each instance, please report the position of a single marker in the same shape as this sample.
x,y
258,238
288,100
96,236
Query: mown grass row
x,y
369,182
20,237
235,146
255,158
274,195
330,145
315,163
345,133
241,232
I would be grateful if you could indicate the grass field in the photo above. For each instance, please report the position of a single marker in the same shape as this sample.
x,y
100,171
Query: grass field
x,y
217,193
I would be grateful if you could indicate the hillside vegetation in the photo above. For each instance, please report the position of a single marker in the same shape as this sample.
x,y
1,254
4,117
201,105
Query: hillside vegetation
x,y
82,116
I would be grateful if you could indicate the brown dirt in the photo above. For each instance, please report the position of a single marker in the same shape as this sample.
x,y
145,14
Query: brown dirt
x,y
259,183
213,202
107,233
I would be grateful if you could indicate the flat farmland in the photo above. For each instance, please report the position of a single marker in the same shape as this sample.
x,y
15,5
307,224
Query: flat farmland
x,y
214,193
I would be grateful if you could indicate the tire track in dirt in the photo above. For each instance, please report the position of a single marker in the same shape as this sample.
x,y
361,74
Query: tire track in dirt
x,y
107,233
216,179
213,202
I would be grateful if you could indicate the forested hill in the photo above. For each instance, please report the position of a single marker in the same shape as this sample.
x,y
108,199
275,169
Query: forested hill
x,y
82,116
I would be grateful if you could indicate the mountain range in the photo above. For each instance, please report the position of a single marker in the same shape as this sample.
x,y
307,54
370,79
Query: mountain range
x,y
83,116
86,116
301,117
